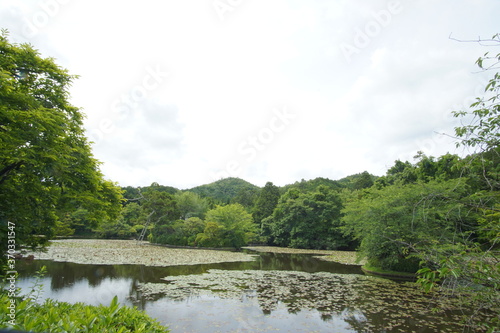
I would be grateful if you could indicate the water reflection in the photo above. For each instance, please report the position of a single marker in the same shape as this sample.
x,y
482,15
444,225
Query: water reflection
x,y
213,314
276,292
97,284
301,263
65,273
364,304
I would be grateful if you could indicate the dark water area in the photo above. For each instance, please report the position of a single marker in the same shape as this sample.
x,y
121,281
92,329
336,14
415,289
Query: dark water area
x,y
263,261
289,293
65,274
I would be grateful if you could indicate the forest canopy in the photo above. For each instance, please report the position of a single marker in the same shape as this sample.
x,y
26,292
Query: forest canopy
x,y
47,170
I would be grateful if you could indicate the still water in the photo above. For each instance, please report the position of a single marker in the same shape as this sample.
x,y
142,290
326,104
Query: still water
x,y
287,293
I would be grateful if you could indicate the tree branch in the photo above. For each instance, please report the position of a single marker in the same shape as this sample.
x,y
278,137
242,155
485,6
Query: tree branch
x,y
4,173
478,40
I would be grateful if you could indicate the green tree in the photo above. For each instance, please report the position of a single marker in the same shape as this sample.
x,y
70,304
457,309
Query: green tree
x,y
131,194
448,167
161,207
469,269
247,197
265,204
395,223
308,220
46,166
181,232
483,131
227,226
79,221
161,210
426,167
159,188
312,184
191,205
364,180
128,225
192,227
398,168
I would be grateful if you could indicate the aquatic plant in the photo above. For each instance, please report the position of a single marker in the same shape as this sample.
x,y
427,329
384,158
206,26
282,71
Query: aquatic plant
x,y
367,304
26,313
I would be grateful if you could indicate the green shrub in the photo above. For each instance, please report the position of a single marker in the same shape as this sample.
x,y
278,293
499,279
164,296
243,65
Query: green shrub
x,y
53,316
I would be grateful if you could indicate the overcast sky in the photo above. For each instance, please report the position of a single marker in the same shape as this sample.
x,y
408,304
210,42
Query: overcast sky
x,y
184,93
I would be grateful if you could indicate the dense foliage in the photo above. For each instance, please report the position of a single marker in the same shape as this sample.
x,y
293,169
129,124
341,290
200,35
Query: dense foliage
x,y
47,171
59,317
391,222
312,184
186,223
266,203
224,226
470,266
307,220
228,226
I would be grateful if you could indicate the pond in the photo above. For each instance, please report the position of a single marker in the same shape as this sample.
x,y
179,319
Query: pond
x,y
277,292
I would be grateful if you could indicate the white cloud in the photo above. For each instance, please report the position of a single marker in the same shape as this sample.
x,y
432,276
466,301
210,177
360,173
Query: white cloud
x,y
225,78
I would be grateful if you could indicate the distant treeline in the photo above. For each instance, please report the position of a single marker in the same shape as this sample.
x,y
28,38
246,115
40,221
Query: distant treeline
x,y
228,212
390,219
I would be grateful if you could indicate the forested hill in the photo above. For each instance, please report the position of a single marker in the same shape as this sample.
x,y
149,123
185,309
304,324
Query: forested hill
x,y
229,190
225,190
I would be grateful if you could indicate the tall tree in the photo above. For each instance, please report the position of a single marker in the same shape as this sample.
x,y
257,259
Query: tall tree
x,y
266,202
474,265
191,205
162,213
247,197
364,180
227,226
307,220
46,164
393,223
160,206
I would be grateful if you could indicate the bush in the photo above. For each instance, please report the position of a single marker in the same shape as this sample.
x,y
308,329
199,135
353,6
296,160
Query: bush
x,y
227,226
53,316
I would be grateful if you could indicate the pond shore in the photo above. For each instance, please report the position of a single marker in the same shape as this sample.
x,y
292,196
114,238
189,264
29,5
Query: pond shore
x,y
119,252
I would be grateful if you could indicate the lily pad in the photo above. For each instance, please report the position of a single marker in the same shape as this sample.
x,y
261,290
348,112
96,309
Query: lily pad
x,y
366,303
115,252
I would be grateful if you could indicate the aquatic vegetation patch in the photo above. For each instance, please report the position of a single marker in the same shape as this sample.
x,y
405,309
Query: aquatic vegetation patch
x,y
365,303
116,252
278,249
342,257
